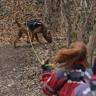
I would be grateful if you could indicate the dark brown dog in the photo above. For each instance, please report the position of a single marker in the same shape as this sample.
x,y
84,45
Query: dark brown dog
x,y
34,27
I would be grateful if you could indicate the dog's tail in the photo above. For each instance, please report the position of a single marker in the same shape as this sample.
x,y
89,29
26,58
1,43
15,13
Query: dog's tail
x,y
18,23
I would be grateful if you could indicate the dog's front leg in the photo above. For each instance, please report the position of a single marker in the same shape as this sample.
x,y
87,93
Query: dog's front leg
x,y
36,36
32,36
28,38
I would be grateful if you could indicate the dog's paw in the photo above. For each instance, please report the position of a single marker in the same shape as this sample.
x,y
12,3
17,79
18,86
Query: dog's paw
x,y
15,47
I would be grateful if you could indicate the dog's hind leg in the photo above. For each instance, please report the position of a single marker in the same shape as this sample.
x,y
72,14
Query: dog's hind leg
x,y
17,38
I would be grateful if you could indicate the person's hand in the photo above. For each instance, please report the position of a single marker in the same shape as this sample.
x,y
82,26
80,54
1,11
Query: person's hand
x,y
47,66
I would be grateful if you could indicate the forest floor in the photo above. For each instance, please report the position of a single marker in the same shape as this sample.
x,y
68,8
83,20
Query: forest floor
x,y
20,70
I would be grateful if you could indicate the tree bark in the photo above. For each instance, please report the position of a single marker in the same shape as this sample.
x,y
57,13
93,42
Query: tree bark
x,y
92,45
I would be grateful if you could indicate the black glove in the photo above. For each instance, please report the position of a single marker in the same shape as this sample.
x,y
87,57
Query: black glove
x,y
46,66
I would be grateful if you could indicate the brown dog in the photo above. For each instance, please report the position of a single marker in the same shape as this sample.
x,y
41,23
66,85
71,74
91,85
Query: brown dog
x,y
34,27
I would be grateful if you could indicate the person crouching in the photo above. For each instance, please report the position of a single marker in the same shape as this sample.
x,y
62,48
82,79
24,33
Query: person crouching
x,y
65,59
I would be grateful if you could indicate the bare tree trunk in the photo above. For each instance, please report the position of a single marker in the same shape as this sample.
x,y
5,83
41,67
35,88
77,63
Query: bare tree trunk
x,y
71,16
92,45
69,38
52,14
67,15
86,29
